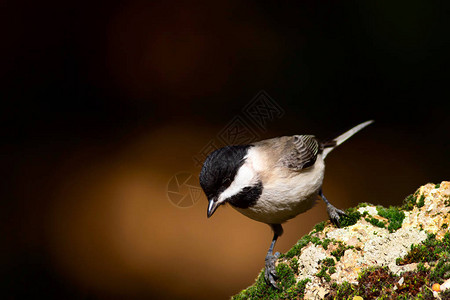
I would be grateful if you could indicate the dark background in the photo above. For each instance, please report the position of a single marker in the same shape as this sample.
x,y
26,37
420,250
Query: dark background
x,y
104,102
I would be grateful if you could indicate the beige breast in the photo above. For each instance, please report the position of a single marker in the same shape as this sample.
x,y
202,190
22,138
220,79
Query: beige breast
x,y
286,193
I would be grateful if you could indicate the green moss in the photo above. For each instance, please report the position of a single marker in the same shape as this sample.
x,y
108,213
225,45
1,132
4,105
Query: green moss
x,y
339,252
305,240
374,282
297,248
286,276
320,226
365,214
294,265
363,204
342,291
323,273
421,201
409,202
421,267
296,291
375,222
414,283
434,252
394,216
325,243
329,262
417,253
327,268
315,240
381,283
261,290
428,251
441,271
353,215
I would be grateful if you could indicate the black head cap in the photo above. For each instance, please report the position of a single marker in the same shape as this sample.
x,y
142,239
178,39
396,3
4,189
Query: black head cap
x,y
220,168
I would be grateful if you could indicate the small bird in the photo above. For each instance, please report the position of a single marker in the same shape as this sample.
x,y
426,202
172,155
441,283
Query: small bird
x,y
271,181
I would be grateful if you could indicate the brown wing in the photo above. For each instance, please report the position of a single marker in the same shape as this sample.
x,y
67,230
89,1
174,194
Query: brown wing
x,y
301,152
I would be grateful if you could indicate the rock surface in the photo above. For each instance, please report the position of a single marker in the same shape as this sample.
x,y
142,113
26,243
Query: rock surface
x,y
377,238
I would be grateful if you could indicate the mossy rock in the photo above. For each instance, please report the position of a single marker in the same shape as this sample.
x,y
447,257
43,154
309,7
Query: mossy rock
x,y
423,217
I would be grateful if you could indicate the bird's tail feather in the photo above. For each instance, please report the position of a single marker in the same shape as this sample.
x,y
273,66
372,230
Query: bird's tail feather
x,y
330,145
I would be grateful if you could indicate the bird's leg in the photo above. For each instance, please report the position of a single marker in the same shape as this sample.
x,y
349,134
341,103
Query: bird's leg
x,y
333,212
270,273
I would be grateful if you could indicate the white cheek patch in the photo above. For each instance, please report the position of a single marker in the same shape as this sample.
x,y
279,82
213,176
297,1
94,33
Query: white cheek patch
x,y
244,177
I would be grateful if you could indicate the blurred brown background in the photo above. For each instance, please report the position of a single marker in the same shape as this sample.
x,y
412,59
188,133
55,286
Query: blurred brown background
x,y
103,102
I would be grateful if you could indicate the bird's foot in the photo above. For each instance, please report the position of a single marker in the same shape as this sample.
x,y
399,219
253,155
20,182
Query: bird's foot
x,y
270,273
335,214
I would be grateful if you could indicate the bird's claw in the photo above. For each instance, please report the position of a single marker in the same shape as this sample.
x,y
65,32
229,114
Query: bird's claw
x,y
270,273
335,214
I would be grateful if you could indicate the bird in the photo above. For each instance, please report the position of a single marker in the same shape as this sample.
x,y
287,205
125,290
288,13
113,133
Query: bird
x,y
271,181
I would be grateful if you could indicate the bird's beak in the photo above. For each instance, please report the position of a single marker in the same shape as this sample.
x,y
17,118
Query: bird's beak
x,y
212,206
